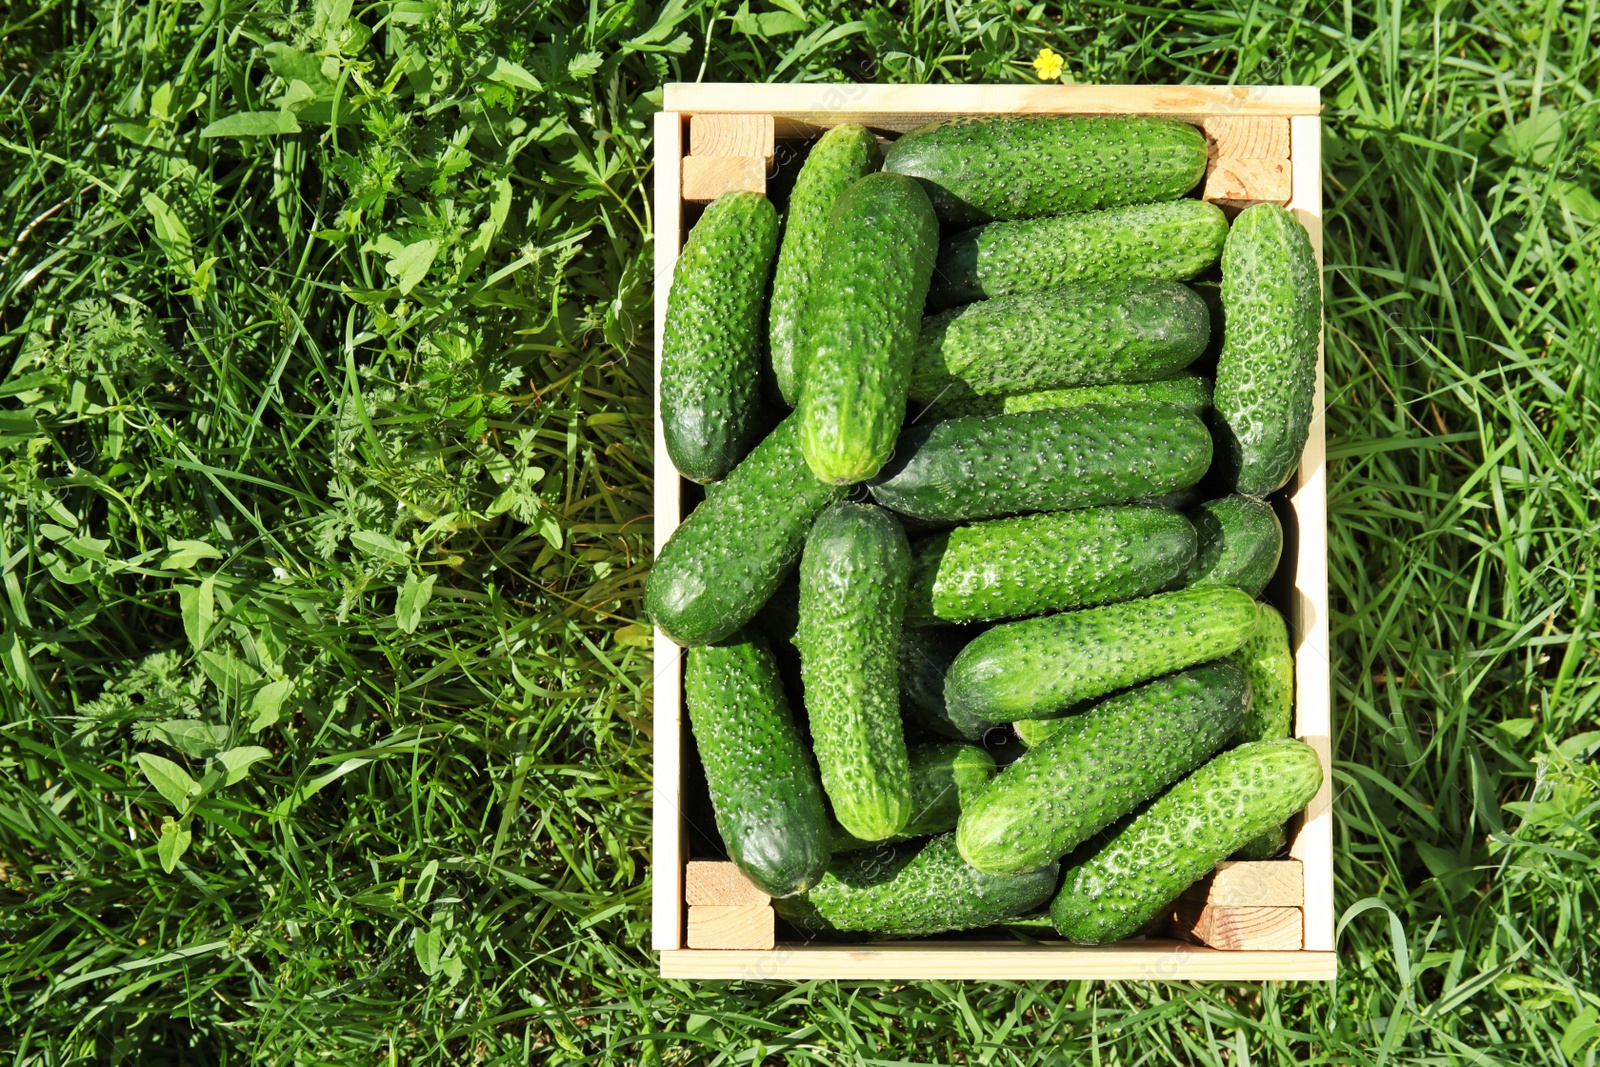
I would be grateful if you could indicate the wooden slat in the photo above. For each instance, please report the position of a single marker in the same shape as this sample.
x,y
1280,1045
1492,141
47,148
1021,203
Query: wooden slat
x,y
1263,883
1247,136
1242,182
1312,840
719,882
735,135
731,926
1163,961
707,177
666,820
1235,929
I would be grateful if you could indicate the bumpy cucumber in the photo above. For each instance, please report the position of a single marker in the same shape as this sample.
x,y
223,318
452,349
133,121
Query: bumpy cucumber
x,y
1034,668
711,341
1191,392
1078,457
1021,166
945,776
844,154
763,786
1079,334
865,314
1269,662
719,567
1099,766
1175,241
1240,542
1269,845
852,600
1182,836
926,653
914,889
1034,564
1266,375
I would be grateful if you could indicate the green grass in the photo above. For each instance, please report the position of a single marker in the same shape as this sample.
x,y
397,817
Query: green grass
x,y
329,450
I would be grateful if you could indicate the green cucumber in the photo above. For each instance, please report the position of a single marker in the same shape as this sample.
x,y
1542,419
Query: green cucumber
x,y
1181,837
1020,166
1035,668
844,154
763,786
945,776
926,653
1267,372
1240,542
734,550
1191,392
711,339
1174,241
852,600
1269,846
1079,457
1080,334
865,312
911,890
1099,766
1268,660
1034,564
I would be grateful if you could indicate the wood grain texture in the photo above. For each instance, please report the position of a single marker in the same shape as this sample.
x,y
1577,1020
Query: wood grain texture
x,y
1242,182
1247,136
1235,929
732,926
1256,883
719,882
707,177
739,135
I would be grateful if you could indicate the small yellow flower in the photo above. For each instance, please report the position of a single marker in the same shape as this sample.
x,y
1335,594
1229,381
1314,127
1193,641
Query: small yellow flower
x,y
1048,65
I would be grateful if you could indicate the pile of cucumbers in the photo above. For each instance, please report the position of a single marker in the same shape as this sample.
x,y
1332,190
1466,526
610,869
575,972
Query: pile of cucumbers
x,y
1002,496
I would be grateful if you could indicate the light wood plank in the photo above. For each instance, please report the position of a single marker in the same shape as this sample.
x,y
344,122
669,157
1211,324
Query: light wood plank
x,y
1312,841
733,135
802,110
1161,961
719,882
666,820
1235,929
1242,182
1259,883
731,926
1247,136
706,178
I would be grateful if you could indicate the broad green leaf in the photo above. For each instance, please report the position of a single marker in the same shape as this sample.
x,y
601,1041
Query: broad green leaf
x,y
289,63
550,530
430,950
266,703
185,554
776,22
174,842
169,779
584,65
634,635
253,124
229,673
410,265
452,968
425,882
1516,729
237,761
170,229
1534,139
298,96
380,545
1578,200
191,736
198,606
414,596
1581,1032
508,73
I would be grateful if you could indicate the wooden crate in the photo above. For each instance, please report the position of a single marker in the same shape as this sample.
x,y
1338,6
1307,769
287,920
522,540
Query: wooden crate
x,y
1273,132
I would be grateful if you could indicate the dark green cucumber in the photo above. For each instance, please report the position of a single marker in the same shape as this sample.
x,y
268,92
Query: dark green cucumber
x,y
1099,766
1269,846
852,602
926,653
711,340
1035,668
1175,241
1191,392
911,890
945,775
1034,564
844,154
1267,373
1269,662
1079,334
1021,166
763,786
726,559
1240,542
1079,457
1181,837
865,312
